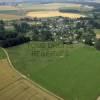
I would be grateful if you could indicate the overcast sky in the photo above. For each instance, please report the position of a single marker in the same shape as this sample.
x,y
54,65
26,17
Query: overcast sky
x,y
38,0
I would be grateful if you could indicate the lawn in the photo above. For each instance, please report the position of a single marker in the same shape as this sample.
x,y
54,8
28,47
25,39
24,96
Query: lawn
x,y
2,54
75,76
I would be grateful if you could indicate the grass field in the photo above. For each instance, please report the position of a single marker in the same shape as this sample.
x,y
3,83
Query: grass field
x,y
12,12
13,86
49,6
97,31
75,76
2,54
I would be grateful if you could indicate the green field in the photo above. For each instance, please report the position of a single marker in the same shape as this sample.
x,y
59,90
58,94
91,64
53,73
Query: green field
x,y
14,12
76,76
2,54
97,31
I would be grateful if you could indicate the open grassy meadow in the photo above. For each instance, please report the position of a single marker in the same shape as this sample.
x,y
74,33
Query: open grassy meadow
x,y
13,86
2,54
74,74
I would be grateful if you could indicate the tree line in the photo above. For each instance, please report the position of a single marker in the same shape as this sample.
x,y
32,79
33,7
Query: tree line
x,y
9,38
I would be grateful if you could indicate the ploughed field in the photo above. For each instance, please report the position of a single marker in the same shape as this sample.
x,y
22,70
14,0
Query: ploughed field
x,y
70,71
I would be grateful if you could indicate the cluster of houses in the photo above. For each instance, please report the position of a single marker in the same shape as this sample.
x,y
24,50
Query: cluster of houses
x,y
66,29
62,29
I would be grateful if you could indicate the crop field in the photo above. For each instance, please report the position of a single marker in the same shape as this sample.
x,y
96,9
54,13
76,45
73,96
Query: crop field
x,y
9,17
52,10
72,75
15,87
9,12
14,12
8,8
50,6
53,14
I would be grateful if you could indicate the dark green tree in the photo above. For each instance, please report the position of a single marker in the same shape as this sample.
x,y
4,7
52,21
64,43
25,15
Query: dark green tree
x,y
97,44
2,30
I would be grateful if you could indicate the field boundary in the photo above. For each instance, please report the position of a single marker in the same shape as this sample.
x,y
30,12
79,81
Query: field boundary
x,y
31,81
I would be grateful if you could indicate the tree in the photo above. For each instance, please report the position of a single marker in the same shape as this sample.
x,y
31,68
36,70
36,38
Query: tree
x,y
89,37
2,30
22,27
97,44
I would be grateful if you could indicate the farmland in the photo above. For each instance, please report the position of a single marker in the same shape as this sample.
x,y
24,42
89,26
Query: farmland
x,y
8,8
50,6
31,9
2,54
9,17
13,86
51,10
67,76
8,12
42,14
49,58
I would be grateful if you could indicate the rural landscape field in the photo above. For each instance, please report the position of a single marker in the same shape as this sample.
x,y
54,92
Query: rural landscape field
x,y
15,86
74,76
50,50
38,10
53,14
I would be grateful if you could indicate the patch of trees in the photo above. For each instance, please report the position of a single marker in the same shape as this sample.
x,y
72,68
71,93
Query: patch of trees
x,y
2,30
97,44
14,41
96,9
10,38
95,23
21,27
41,33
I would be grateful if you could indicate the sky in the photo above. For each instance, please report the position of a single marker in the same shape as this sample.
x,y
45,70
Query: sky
x,y
36,0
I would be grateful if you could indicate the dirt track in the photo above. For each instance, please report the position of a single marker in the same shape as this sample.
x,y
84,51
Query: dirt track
x,y
13,86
